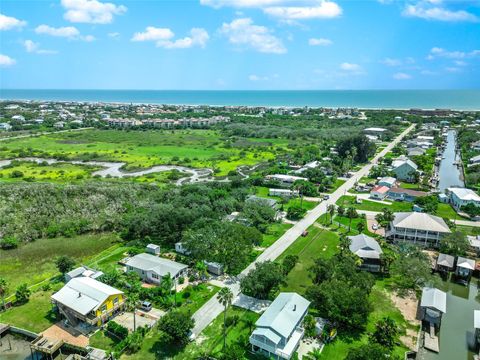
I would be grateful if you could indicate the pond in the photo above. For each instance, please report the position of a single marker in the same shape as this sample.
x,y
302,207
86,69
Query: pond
x,y
449,174
456,332
14,348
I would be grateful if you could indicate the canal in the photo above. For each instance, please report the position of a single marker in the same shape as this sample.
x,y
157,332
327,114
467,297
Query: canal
x,y
449,174
456,332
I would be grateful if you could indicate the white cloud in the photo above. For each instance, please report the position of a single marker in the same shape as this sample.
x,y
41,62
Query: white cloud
x,y
401,76
114,34
163,37
244,33
91,11
286,10
437,52
254,77
350,67
460,63
428,72
453,69
319,42
430,10
33,47
8,22
391,62
6,61
323,10
69,32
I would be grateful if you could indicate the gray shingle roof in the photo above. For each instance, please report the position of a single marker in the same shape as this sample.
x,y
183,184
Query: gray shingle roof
x,y
466,263
365,247
434,298
160,266
284,313
446,260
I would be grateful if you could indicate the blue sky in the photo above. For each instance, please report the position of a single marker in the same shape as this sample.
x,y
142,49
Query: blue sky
x,y
240,44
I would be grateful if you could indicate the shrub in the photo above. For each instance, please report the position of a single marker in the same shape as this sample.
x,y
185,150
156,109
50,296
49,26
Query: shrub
x,y
117,330
8,243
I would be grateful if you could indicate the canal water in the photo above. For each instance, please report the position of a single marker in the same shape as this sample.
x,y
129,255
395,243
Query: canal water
x,y
456,332
449,174
14,348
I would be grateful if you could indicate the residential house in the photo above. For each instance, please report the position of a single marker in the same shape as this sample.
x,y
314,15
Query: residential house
x,y
367,249
256,199
375,131
475,145
19,118
88,301
82,271
416,151
475,160
284,180
152,268
474,243
400,194
153,249
59,125
464,269
445,263
179,248
387,181
418,228
404,169
379,192
433,305
459,197
214,268
279,330
5,126
282,192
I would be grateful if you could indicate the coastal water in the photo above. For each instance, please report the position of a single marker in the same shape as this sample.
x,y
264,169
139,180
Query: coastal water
x,y
456,332
449,173
372,99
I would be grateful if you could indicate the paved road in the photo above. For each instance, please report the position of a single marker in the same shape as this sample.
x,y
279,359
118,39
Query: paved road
x,y
212,308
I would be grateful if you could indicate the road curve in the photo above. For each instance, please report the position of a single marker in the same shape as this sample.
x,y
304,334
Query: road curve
x,y
212,308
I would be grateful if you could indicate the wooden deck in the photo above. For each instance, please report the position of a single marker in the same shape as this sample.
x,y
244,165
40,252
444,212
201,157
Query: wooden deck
x,y
430,341
4,328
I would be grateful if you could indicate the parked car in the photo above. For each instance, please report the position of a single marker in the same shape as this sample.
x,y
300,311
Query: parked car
x,y
146,306
326,197
305,233
375,227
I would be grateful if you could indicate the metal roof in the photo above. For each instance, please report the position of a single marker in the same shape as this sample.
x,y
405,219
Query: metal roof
x,y
420,221
466,263
446,260
434,298
84,294
284,313
476,319
465,194
269,334
403,160
76,272
160,266
365,247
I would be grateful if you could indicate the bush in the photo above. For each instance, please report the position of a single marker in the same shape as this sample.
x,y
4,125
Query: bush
x,y
289,263
232,320
295,212
22,294
117,330
8,243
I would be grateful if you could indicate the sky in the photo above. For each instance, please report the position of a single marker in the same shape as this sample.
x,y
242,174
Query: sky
x,y
240,44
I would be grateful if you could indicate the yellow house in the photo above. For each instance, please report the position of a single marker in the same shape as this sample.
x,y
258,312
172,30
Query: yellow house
x,y
87,300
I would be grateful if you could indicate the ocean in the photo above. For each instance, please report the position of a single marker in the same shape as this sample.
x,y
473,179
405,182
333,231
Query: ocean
x,y
366,99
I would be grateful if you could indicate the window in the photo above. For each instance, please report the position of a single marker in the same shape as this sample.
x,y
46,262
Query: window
x,y
103,308
115,301
155,276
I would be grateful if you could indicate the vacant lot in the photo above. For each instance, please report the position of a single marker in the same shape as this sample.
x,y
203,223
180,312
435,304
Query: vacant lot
x,y
143,149
35,261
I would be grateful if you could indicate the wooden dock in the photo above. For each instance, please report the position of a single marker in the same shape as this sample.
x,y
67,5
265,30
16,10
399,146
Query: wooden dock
x,y
4,328
430,341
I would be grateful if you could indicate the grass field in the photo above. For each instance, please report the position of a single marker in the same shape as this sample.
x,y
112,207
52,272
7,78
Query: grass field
x,y
34,262
262,191
273,233
395,206
143,149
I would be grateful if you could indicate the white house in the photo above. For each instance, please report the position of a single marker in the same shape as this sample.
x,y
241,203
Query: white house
x,y
367,249
459,197
375,131
152,268
285,180
404,168
433,304
387,181
179,248
475,160
418,228
379,192
153,249
282,192
5,126
278,331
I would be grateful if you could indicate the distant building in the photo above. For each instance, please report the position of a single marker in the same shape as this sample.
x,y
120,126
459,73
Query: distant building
x,y
367,249
417,228
464,269
82,271
59,125
86,300
445,263
5,126
214,268
387,181
279,330
153,249
459,197
416,151
285,180
375,131
260,200
152,268
179,248
282,192
475,160
401,194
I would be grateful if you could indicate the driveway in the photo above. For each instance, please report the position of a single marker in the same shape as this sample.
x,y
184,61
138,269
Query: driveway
x,y
148,319
251,303
212,308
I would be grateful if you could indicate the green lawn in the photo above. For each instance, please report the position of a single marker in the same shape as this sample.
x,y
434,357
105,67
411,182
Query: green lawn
x,y
469,230
273,233
318,243
35,315
102,340
34,262
336,185
142,149
446,211
396,206
262,191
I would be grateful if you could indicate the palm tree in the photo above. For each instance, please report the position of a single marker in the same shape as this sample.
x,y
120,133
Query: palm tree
x,y
315,354
225,296
201,268
3,291
351,213
132,301
344,243
331,209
